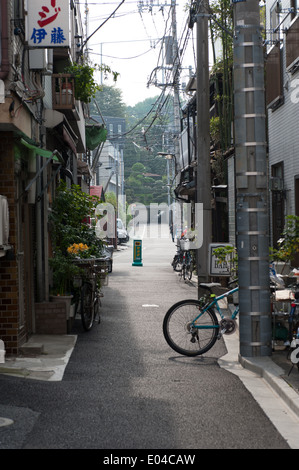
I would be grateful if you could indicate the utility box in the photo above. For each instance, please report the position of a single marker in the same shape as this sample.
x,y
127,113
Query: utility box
x,y
38,59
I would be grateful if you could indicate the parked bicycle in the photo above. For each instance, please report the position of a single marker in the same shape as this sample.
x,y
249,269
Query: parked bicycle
x,y
191,327
183,261
177,261
187,266
88,298
293,320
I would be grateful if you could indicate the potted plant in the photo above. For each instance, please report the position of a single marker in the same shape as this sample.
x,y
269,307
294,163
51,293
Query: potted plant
x,y
72,237
288,245
85,83
63,272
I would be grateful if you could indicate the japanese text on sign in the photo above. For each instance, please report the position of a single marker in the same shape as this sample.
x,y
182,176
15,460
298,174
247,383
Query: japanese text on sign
x,y
48,23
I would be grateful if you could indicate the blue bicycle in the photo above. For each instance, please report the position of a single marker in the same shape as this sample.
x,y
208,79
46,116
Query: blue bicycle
x,y
191,327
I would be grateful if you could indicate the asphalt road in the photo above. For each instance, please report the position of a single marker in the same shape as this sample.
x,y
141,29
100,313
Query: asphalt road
x,y
125,389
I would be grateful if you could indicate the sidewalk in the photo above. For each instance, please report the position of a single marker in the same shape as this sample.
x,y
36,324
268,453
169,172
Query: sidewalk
x,y
45,357
278,373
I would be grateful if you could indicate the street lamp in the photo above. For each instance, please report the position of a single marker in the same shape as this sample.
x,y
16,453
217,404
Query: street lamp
x,y
167,155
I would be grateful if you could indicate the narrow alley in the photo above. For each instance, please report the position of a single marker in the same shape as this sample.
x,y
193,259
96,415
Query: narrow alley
x,y
124,388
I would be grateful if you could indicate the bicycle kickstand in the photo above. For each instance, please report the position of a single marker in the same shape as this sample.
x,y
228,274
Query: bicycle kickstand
x,y
291,369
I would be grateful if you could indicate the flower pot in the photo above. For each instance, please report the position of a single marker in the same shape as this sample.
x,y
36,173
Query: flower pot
x,y
67,299
66,97
67,85
282,267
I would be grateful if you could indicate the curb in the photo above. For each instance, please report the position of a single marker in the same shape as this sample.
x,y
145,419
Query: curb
x,y
272,374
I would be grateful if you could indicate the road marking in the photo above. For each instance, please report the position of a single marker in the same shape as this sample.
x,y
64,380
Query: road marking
x,y
5,422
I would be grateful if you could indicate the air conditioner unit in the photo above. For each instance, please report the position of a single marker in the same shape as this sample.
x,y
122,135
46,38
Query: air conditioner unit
x,y
4,221
276,184
38,59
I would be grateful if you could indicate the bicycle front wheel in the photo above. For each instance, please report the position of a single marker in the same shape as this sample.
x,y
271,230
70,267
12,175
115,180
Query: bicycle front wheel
x,y
188,272
181,336
87,306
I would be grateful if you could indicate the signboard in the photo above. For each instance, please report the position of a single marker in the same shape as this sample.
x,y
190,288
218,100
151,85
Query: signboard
x,y
137,253
217,267
48,23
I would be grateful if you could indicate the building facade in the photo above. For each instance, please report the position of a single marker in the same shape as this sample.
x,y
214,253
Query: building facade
x,y
42,140
282,101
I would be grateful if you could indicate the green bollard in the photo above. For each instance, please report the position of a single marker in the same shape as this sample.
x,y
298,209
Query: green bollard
x,y
137,253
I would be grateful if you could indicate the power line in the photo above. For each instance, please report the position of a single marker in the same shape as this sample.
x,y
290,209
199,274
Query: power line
x,y
102,24
122,58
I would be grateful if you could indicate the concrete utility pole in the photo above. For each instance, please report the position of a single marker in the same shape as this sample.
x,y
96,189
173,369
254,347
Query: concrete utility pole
x,y
176,81
176,105
251,182
203,136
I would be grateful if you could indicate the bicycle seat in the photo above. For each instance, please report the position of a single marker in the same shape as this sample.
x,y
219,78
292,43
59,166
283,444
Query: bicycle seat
x,y
209,285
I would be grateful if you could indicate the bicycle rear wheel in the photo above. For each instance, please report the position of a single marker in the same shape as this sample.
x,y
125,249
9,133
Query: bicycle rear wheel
x,y
87,306
178,331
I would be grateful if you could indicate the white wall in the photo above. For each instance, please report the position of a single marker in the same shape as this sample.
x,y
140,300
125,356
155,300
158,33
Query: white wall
x,y
283,123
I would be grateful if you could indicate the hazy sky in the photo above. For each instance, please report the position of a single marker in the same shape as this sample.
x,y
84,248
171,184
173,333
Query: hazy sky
x,y
130,43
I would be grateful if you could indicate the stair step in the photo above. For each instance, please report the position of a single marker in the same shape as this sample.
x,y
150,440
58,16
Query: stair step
x,y
32,349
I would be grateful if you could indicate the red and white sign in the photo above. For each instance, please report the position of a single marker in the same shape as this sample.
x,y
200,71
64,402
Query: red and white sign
x,y
48,23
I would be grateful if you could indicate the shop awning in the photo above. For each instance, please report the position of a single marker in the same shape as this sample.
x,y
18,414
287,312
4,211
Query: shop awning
x,y
42,152
94,136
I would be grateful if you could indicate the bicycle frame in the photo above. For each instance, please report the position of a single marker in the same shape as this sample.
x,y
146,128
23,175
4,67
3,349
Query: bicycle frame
x,y
214,304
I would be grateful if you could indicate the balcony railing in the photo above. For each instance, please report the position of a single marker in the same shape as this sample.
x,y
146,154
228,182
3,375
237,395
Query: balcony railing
x,y
63,92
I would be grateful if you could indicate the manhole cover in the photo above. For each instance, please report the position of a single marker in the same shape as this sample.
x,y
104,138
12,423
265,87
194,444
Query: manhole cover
x,y
5,422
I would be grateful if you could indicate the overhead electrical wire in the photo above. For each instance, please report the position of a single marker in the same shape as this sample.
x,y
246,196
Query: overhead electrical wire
x,y
163,101
119,15
102,24
122,58
170,71
152,109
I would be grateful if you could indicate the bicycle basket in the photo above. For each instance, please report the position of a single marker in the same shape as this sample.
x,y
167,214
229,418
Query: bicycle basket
x,y
101,271
185,245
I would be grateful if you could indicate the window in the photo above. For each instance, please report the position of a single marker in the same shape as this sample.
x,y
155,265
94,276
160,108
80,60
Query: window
x,y
292,46
293,5
274,22
274,88
278,203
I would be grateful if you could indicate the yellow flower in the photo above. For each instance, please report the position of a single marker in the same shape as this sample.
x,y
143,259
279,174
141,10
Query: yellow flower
x,y
77,248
